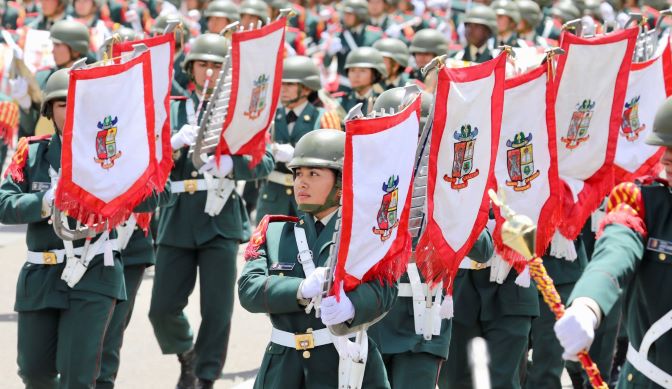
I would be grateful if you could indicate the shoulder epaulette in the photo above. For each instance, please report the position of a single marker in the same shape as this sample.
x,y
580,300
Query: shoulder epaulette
x,y
259,236
330,119
374,28
338,94
20,158
626,207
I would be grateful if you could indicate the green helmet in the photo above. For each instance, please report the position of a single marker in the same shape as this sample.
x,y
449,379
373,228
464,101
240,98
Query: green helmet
x,y
393,98
206,47
181,32
257,8
71,33
483,15
223,9
55,89
429,40
393,48
662,126
301,70
127,34
358,7
565,10
592,8
506,8
366,57
530,12
323,148
278,4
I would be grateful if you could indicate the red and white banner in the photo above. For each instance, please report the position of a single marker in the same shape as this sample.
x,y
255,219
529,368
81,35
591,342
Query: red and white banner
x,y
592,80
38,50
649,85
108,157
527,165
377,188
465,136
256,60
162,50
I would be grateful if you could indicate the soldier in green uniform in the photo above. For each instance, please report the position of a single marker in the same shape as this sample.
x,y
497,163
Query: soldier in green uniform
x,y
60,327
294,118
191,241
508,18
427,44
51,12
280,283
181,80
252,12
480,24
411,352
530,18
395,54
561,13
632,260
10,18
365,68
219,14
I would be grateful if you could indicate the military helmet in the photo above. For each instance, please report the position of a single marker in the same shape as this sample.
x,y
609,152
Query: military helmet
x,y
257,8
303,71
483,15
55,89
278,4
393,48
429,40
530,12
127,34
592,8
662,126
222,8
506,8
565,11
394,97
358,7
181,32
366,57
206,47
71,33
323,148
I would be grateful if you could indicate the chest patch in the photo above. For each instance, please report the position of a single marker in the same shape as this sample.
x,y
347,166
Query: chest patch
x,y
40,186
282,266
659,246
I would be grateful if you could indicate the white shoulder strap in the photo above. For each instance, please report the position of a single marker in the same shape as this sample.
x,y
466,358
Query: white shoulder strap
x,y
305,256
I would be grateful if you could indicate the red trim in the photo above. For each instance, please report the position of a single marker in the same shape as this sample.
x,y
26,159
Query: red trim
x,y
393,264
259,236
435,258
166,164
600,183
75,200
623,216
256,146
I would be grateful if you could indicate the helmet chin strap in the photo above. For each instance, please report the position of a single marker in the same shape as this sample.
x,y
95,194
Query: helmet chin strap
x,y
333,199
298,97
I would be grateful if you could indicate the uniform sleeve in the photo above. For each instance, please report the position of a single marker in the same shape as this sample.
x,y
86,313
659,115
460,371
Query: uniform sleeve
x,y
260,292
371,300
17,205
483,248
242,171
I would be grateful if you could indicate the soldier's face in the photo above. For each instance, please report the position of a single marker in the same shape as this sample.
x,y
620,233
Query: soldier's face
x,y
200,69
217,24
50,7
247,19
376,7
63,56
312,185
476,34
349,19
422,59
504,24
84,7
360,77
58,114
289,94
666,161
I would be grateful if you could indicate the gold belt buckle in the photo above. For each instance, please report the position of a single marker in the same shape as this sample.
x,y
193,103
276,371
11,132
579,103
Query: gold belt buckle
x,y
304,341
49,258
191,186
477,265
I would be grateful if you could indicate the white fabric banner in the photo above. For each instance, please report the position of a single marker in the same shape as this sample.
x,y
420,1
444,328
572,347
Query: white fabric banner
x,y
37,50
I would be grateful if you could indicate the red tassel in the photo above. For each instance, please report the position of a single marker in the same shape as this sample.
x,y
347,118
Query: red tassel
x,y
143,219
626,216
259,235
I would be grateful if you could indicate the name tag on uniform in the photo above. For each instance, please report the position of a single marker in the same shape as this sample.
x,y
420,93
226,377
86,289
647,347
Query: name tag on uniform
x,y
660,246
40,186
282,266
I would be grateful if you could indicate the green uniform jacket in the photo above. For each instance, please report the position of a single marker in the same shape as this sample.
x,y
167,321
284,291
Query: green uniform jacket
x,y
269,283
367,37
349,100
183,222
625,262
40,286
396,332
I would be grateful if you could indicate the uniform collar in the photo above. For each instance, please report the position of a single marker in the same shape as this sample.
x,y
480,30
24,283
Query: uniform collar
x,y
298,110
325,220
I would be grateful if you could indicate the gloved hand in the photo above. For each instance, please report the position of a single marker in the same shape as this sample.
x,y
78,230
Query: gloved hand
x,y
335,312
282,152
185,137
393,31
225,166
576,330
312,285
332,44
19,91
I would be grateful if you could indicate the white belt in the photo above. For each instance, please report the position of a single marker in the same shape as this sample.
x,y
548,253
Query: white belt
x,y
189,186
468,263
405,290
305,341
54,257
280,178
639,359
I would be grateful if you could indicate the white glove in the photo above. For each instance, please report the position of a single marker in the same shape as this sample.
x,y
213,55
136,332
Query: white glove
x,y
185,137
335,312
393,31
332,44
576,330
48,198
225,166
131,16
19,91
283,152
312,286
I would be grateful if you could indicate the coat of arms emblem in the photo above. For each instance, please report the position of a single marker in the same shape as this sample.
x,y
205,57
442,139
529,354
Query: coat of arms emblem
x,y
631,126
106,144
578,126
520,162
258,99
463,157
387,214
